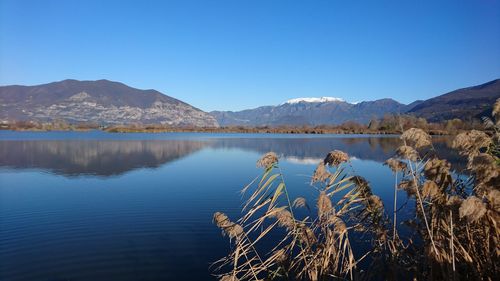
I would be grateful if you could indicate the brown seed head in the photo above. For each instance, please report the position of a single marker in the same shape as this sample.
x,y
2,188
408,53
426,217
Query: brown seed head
x,y
408,186
436,169
267,160
300,202
484,167
221,220
229,228
472,209
454,201
375,203
234,230
324,205
337,223
307,235
407,152
416,137
494,199
280,256
284,218
430,190
334,158
470,143
396,165
320,174
362,186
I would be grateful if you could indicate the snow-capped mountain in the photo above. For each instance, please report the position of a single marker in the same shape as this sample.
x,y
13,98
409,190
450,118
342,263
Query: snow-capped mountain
x,y
313,100
310,111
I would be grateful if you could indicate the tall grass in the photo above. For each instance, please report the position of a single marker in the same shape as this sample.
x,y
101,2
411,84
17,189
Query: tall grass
x,y
454,223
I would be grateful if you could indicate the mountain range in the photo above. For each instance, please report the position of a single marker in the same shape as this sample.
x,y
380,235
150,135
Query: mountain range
x,y
466,104
108,102
310,111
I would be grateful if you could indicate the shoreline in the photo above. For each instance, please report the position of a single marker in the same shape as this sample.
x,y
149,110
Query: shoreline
x,y
290,131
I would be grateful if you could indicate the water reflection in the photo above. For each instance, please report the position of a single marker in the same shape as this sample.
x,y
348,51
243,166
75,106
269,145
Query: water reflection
x,y
93,157
116,157
307,149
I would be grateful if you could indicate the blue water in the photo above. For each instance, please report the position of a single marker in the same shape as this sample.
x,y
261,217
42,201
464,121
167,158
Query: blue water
x,y
102,206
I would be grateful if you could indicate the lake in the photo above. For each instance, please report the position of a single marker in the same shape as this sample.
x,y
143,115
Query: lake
x,y
102,206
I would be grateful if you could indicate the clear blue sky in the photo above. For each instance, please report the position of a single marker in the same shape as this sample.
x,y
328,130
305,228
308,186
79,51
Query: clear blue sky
x,y
232,55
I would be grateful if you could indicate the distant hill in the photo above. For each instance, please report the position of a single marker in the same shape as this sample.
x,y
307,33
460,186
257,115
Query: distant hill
x,y
412,105
465,104
99,101
310,111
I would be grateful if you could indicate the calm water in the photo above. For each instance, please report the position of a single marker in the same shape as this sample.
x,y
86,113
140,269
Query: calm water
x,y
99,206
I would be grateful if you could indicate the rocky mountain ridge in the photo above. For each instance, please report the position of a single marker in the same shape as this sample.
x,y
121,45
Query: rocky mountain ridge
x,y
101,101
311,112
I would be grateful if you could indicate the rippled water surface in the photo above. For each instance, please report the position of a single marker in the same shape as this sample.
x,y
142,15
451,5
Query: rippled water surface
x,y
99,206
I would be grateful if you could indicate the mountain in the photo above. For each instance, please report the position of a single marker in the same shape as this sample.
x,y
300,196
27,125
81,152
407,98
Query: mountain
x,y
412,105
310,111
100,101
465,104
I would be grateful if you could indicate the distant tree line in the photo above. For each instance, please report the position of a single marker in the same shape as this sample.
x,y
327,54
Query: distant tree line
x,y
389,124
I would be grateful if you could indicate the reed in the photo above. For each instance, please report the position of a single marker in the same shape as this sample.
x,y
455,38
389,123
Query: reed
x,y
455,222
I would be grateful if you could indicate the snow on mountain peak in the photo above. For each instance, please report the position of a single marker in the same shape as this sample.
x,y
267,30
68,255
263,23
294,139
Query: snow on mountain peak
x,y
314,100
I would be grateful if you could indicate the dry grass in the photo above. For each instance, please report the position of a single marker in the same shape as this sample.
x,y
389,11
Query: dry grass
x,y
312,247
454,229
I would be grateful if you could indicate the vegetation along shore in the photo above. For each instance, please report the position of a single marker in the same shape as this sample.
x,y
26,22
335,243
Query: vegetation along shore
x,y
389,124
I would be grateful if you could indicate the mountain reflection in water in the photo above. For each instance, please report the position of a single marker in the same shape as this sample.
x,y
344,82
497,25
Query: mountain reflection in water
x,y
115,157
92,157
